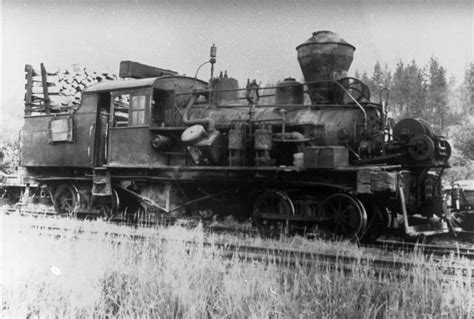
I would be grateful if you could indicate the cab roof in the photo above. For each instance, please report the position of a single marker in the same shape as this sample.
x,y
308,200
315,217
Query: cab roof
x,y
120,84
131,83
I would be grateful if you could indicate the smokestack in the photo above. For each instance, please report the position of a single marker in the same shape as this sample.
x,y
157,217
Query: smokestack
x,y
324,57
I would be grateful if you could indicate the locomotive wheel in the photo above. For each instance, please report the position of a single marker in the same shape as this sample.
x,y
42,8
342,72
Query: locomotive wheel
x,y
107,205
66,199
10,196
421,147
347,214
272,202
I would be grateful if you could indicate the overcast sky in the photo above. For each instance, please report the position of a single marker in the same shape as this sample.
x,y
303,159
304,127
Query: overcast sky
x,y
254,39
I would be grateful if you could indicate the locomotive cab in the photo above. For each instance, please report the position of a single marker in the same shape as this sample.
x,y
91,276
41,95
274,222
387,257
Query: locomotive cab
x,y
137,111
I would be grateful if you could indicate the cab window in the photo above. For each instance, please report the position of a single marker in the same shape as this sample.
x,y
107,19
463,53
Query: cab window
x,y
137,110
129,109
121,110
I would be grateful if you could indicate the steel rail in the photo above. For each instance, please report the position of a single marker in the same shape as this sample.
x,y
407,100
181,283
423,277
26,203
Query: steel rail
x,y
289,257
425,249
435,251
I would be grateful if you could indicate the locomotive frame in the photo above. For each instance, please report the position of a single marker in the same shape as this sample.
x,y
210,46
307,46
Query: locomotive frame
x,y
171,144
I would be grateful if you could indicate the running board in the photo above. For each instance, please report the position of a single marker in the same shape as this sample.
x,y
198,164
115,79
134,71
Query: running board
x,y
434,228
427,229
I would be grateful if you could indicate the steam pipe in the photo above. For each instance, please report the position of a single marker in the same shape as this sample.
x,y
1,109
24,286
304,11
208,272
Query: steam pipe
x,y
290,137
211,124
357,103
294,136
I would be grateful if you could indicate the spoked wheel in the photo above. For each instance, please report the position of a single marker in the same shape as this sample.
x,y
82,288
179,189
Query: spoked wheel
x,y
266,210
66,199
107,205
347,215
10,196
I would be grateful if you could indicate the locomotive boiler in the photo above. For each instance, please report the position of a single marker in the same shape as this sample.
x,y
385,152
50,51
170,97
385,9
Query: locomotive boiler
x,y
317,155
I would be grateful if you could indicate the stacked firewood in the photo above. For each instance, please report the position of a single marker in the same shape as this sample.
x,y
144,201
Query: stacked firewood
x,y
59,91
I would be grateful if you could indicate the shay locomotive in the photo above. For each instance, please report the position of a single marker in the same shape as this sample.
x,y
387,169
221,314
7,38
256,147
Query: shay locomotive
x,y
313,155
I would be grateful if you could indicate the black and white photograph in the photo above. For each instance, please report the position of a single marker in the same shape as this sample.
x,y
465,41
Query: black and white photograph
x,y
237,159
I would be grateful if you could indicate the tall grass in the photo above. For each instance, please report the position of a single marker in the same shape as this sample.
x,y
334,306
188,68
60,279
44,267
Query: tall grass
x,y
87,276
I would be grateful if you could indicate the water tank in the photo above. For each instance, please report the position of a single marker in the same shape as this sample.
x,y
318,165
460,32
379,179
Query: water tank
x,y
289,91
324,57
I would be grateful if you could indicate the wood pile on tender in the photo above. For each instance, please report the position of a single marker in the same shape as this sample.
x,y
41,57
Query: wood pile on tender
x,y
58,91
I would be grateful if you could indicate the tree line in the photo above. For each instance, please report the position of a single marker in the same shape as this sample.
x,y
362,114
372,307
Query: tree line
x,y
426,92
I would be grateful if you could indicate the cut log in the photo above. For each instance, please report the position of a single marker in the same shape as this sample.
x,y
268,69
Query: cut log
x,y
48,73
41,95
51,79
39,90
40,84
64,89
54,99
76,68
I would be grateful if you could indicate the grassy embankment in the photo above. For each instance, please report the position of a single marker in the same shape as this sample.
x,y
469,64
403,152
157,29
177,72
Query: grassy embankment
x,y
92,276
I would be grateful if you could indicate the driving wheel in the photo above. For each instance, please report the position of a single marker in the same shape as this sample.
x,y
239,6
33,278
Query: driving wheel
x,y
347,216
267,209
66,199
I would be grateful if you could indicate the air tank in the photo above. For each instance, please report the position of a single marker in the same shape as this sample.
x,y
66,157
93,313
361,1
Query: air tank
x,y
324,57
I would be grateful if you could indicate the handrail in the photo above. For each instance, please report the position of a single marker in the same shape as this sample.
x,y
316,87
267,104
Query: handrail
x,y
304,83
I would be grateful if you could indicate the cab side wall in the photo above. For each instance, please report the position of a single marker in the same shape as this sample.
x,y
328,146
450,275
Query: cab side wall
x,y
37,151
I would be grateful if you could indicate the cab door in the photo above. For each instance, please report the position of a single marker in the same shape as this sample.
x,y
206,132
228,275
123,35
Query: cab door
x,y
129,136
101,129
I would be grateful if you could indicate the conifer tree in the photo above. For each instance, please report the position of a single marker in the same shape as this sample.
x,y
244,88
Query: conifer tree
x,y
399,91
436,111
467,92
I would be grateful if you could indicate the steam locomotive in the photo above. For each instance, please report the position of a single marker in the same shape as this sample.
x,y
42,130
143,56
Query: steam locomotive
x,y
318,155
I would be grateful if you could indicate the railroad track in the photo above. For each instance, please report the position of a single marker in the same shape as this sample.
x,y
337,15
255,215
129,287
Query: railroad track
x,y
379,267
346,264
435,251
